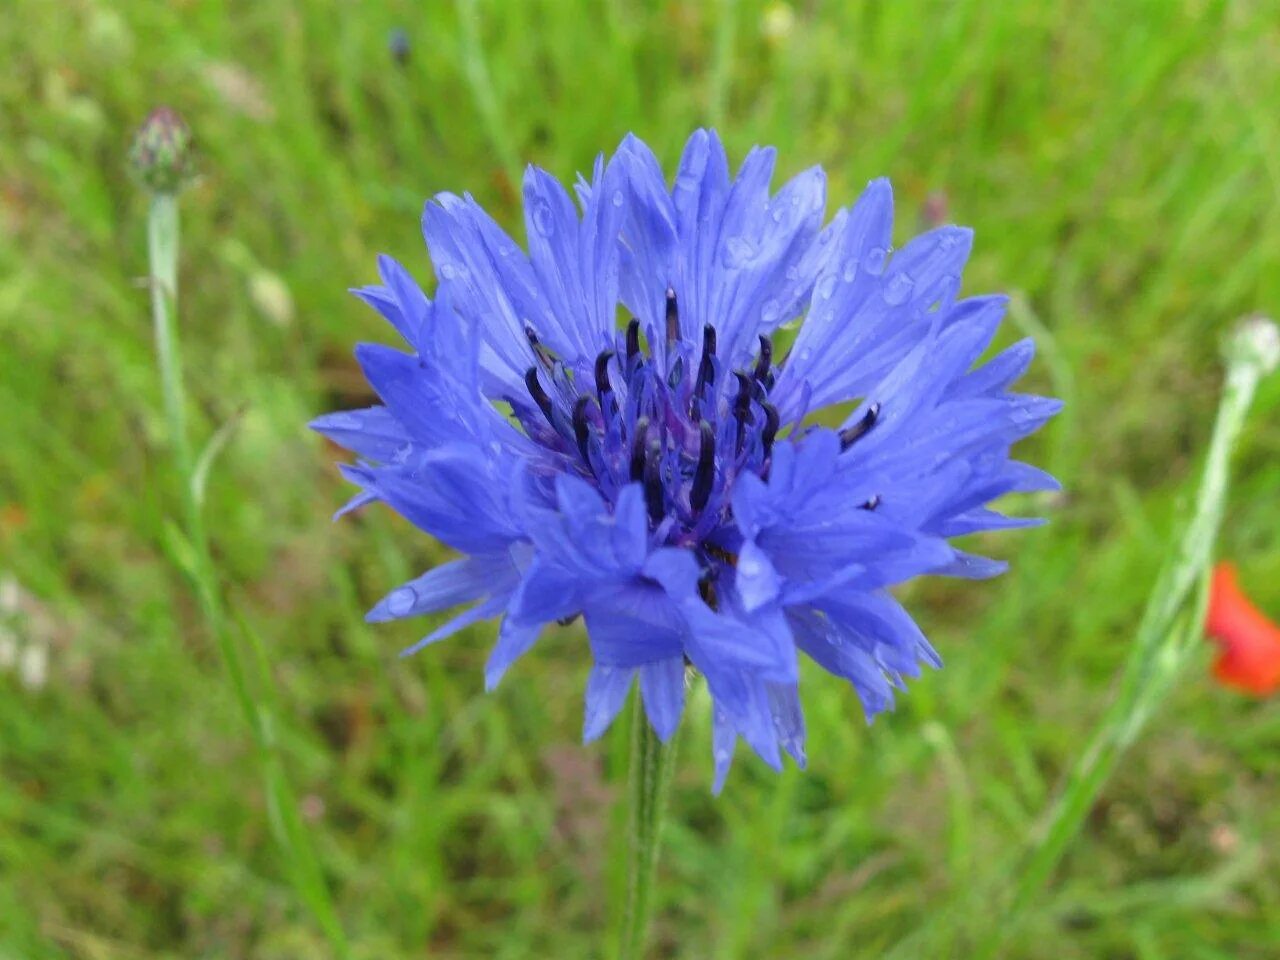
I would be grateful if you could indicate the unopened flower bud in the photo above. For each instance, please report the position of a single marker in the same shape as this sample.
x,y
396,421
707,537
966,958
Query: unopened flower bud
x,y
1257,339
161,156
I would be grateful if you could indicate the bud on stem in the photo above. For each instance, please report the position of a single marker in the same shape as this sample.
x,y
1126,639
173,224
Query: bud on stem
x,y
162,151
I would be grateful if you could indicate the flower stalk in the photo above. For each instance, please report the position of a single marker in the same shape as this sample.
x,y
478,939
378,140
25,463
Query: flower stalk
x,y
652,769
1169,636
161,159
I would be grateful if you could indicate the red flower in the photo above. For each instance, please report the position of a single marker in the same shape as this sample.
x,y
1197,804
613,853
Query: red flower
x,y
1249,643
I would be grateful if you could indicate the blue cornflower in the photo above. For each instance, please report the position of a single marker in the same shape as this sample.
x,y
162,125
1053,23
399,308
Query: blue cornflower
x,y
658,477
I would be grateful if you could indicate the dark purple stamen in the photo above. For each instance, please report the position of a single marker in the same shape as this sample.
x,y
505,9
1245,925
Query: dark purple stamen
x,y
542,353
638,443
706,367
582,427
851,435
633,340
603,386
653,497
764,362
742,407
539,394
673,317
705,474
770,431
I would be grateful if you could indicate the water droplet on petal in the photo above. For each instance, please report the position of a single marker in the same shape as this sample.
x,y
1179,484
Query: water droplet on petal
x,y
769,310
401,601
793,273
448,271
617,198
850,272
873,260
543,220
898,289
826,287
738,251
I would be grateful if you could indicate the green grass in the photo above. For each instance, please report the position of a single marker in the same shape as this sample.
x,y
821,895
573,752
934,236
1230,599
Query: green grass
x,y
1120,164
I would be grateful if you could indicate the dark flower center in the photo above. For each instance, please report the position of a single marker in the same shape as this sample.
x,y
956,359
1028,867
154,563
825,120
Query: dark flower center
x,y
673,422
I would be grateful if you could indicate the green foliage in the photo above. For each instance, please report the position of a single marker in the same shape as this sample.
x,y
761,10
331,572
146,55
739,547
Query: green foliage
x,y
1119,162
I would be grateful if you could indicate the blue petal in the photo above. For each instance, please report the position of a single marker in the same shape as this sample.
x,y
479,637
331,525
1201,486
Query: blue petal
x,y
968,566
866,323
481,611
607,689
455,495
648,240
630,624
699,195
880,625
835,652
723,740
757,581
662,686
466,248
577,263
998,374
514,641
761,241
445,586
546,592
788,719
373,432
412,302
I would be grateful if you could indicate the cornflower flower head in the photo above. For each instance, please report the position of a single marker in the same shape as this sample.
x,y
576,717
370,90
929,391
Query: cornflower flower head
x,y
602,426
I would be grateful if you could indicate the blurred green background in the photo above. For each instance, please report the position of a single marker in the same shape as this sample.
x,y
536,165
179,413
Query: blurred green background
x,y
1121,164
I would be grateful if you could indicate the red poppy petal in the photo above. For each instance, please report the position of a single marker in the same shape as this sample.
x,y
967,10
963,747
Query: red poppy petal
x,y
1249,643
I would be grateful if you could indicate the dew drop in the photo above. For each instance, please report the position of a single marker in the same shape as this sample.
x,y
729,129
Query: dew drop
x,y
769,310
793,273
898,289
617,198
448,271
738,251
873,260
687,183
543,221
776,214
850,272
826,287
401,601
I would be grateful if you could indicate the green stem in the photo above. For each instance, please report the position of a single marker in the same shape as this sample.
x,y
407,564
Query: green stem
x,y
1167,640
652,765
303,864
